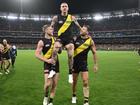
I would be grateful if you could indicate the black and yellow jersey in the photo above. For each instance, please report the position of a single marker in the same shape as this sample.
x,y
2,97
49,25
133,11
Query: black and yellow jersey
x,y
82,47
64,26
6,49
6,52
48,47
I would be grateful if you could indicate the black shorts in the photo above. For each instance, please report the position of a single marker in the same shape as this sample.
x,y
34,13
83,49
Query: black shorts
x,y
65,41
5,56
80,66
47,67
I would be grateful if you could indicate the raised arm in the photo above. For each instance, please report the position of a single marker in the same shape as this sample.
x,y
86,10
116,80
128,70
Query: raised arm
x,y
76,22
54,20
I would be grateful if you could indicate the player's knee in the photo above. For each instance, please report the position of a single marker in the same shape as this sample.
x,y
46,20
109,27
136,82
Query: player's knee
x,y
54,87
57,45
70,56
47,85
85,83
74,78
71,47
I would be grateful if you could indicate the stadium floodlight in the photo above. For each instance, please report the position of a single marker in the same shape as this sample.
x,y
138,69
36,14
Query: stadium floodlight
x,y
89,18
42,19
36,19
98,17
49,19
3,16
22,18
120,15
12,17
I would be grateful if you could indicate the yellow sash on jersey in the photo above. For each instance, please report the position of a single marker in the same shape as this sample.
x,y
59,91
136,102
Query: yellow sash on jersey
x,y
5,50
83,47
65,26
49,52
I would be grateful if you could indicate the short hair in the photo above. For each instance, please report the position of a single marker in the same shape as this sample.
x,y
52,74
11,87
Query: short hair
x,y
45,27
63,3
4,40
87,26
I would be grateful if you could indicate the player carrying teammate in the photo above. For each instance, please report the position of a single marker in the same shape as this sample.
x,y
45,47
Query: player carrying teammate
x,y
83,44
45,46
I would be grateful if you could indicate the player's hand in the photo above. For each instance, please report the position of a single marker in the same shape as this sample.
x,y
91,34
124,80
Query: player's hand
x,y
95,69
51,61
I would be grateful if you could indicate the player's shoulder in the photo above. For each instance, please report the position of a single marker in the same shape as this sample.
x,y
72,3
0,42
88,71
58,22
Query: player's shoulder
x,y
41,42
9,46
91,40
90,37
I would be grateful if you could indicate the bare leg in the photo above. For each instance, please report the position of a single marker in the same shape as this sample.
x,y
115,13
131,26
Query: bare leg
x,y
57,46
75,79
70,51
47,83
53,88
84,76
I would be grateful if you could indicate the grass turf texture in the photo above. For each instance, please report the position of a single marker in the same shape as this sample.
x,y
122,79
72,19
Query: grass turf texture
x,y
116,83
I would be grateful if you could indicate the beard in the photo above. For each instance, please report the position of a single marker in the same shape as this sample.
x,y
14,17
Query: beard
x,y
83,33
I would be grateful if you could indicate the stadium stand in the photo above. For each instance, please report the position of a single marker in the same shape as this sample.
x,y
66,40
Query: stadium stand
x,y
115,30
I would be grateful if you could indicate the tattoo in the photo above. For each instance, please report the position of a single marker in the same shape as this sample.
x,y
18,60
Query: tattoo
x,y
54,20
76,22
70,60
54,55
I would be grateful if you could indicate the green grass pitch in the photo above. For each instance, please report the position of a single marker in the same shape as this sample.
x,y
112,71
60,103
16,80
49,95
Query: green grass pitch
x,y
116,83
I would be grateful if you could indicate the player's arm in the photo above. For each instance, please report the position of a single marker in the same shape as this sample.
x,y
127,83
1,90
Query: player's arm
x,y
9,46
93,49
38,52
76,22
54,20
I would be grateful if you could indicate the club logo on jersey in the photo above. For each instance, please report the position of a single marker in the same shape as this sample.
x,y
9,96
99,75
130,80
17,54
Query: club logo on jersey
x,y
77,43
60,22
47,45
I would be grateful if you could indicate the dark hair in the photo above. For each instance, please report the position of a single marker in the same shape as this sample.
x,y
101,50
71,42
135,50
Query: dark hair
x,y
63,3
87,26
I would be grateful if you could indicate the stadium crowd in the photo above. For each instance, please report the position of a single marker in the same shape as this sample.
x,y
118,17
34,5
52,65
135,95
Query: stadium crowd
x,y
121,30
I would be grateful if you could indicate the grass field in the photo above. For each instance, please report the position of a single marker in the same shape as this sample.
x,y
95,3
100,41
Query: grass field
x,y
116,83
